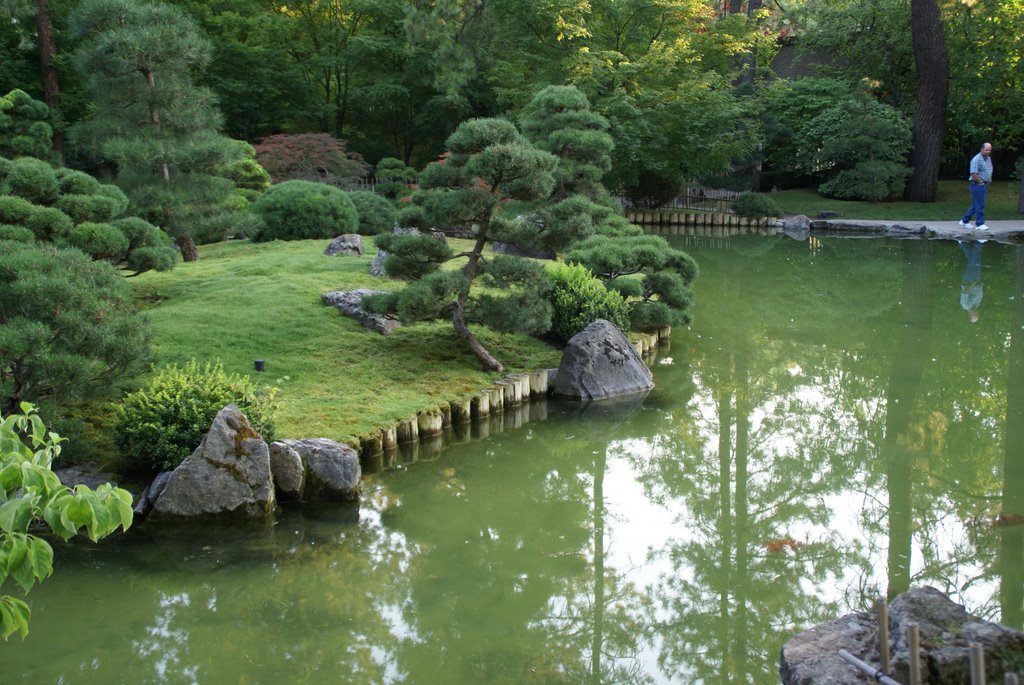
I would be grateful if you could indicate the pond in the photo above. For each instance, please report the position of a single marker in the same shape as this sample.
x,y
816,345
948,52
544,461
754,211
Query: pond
x,y
832,428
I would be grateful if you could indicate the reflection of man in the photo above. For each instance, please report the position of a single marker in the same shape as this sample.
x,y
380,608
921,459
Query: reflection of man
x,y
971,290
981,176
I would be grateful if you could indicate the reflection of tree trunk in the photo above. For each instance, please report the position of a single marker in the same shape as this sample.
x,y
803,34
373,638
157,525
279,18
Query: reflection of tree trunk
x,y
1011,549
725,417
600,463
740,655
901,398
1020,198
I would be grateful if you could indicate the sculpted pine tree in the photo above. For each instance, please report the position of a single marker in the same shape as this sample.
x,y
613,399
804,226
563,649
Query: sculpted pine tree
x,y
489,176
151,120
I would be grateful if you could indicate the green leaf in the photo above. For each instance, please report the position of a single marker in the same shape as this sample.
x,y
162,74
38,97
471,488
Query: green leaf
x,y
15,515
41,556
14,616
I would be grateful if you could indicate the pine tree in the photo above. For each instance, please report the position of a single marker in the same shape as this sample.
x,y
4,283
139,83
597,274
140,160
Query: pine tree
x,y
152,121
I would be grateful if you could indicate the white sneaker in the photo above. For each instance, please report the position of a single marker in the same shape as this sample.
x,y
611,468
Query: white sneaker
x,y
964,224
983,227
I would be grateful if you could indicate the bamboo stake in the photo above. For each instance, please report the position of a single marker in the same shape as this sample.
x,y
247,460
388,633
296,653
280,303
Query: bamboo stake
x,y
883,633
914,642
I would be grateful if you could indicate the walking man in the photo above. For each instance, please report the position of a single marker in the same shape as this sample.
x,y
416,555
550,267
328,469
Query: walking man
x,y
981,176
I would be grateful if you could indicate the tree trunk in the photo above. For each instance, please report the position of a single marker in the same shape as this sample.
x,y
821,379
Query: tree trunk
x,y
459,311
1020,198
932,61
188,248
48,69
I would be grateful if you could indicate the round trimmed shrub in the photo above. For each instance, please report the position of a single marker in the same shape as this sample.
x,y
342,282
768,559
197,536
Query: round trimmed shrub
x,y
117,196
160,425
73,182
49,224
83,208
15,210
297,210
32,179
141,233
756,206
579,299
5,166
376,213
18,234
99,241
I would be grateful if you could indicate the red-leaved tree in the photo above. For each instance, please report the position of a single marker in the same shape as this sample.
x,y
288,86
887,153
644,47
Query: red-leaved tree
x,y
310,157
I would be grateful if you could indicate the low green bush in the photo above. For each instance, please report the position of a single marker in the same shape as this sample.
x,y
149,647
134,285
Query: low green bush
x,y
376,213
49,224
16,233
81,208
99,241
160,425
579,299
756,206
74,182
15,210
32,179
297,210
874,181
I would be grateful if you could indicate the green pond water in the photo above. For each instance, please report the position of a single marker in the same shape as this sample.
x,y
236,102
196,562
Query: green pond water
x,y
832,428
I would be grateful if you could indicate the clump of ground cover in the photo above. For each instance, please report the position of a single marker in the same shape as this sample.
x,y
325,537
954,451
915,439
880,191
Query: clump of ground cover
x,y
244,301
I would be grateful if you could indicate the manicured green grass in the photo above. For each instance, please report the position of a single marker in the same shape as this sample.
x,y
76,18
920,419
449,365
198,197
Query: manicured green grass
x,y
953,199
244,301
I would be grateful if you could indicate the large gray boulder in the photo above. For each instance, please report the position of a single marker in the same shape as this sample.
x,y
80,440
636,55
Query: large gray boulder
x,y
946,630
315,467
599,362
228,474
350,303
346,244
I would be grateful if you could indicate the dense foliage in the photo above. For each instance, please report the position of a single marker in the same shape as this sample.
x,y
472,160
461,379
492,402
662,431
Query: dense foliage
x,y
153,122
295,210
578,299
30,492
68,326
161,424
70,208
376,213
756,206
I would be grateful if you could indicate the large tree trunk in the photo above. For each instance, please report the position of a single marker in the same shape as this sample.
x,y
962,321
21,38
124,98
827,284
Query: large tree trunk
x,y
1020,198
932,63
188,248
48,69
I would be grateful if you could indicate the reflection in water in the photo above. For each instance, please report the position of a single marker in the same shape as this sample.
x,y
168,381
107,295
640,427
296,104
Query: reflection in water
x,y
827,432
971,290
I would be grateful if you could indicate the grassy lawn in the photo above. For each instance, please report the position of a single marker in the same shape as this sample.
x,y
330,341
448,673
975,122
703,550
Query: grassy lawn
x,y
244,301
953,199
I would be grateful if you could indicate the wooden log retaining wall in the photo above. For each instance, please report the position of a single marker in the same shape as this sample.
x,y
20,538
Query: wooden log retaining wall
x,y
657,217
504,404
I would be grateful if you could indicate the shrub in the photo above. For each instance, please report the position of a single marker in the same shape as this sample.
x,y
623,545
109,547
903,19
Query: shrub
x,y
296,210
49,224
74,182
579,299
16,233
15,210
116,195
160,425
396,178
83,208
68,326
24,126
376,213
32,179
99,241
310,157
873,180
756,206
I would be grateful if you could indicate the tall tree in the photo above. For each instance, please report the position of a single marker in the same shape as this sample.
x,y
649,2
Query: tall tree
x,y
932,61
152,121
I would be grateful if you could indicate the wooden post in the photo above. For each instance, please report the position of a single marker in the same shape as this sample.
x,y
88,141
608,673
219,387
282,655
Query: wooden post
x,y
883,633
914,646
389,437
539,383
1012,679
480,405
